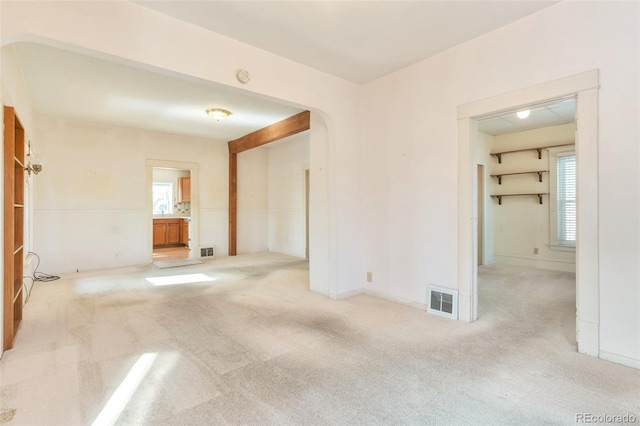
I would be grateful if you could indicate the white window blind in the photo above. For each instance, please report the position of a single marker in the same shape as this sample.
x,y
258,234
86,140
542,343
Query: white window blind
x,y
566,199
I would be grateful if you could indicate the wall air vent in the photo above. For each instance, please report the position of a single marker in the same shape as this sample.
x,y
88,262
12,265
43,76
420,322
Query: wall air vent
x,y
207,252
442,302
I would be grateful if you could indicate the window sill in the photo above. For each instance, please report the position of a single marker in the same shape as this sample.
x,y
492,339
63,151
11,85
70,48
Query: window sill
x,y
556,247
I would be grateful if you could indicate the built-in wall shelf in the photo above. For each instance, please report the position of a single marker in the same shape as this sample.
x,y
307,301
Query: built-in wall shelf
x,y
498,155
13,226
538,172
538,194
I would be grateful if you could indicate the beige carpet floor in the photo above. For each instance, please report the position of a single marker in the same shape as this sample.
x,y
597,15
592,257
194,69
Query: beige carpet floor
x,y
243,341
174,263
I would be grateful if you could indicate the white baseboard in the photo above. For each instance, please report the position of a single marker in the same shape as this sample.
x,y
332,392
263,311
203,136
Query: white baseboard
x,y
416,305
533,262
588,337
356,292
620,359
347,294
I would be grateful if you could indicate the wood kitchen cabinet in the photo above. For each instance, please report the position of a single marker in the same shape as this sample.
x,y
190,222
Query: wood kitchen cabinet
x,y
159,232
184,189
184,233
170,232
173,232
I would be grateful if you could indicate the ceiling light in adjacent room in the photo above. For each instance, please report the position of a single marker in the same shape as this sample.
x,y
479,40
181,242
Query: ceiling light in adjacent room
x,y
218,113
523,114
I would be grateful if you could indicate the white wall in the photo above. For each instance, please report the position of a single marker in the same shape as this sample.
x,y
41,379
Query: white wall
x,y
253,215
521,223
288,160
90,199
410,159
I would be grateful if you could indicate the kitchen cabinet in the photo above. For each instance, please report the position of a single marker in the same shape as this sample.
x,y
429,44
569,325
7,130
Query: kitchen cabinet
x,y
173,232
159,232
184,233
170,232
184,189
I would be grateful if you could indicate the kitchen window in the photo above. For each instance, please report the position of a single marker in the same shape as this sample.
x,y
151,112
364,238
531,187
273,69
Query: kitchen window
x,y
162,198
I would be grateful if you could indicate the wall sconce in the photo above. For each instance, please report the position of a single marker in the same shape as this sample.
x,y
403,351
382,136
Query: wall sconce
x,y
35,168
33,163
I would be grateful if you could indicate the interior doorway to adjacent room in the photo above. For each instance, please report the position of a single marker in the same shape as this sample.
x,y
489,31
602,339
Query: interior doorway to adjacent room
x,y
172,206
526,201
584,89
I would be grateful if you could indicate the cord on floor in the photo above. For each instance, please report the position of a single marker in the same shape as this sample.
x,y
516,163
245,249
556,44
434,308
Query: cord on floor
x,y
40,276
37,276
27,289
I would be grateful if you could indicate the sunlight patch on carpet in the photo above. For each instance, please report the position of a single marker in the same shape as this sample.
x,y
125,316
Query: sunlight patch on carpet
x,y
179,279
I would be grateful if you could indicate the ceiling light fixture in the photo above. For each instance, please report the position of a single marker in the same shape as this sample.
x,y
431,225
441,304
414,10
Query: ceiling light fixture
x,y
523,114
218,113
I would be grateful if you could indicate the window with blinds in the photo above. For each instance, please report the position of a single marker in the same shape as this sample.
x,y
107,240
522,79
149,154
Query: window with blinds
x,y
566,199
562,198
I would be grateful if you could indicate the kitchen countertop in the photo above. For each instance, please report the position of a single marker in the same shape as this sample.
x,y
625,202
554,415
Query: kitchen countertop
x,y
171,217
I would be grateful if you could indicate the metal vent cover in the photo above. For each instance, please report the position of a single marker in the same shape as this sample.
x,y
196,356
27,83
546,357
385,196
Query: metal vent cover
x,y
207,252
442,302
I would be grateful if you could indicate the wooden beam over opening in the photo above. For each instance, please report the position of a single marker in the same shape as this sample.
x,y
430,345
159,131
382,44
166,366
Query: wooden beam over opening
x,y
287,127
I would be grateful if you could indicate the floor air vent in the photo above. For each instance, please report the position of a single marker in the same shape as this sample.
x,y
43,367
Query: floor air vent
x,y
443,302
207,252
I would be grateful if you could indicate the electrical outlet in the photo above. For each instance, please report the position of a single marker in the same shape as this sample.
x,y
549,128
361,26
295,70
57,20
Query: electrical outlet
x,y
369,277
535,250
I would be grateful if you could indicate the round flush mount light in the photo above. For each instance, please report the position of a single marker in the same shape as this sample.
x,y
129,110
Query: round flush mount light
x,y
218,113
523,114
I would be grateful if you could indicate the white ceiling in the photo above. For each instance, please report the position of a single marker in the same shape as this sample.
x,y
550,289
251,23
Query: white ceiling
x,y
548,114
357,40
85,88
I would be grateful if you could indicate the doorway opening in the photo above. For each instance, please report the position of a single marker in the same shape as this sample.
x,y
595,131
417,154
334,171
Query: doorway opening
x,y
173,210
171,207
584,88
526,187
